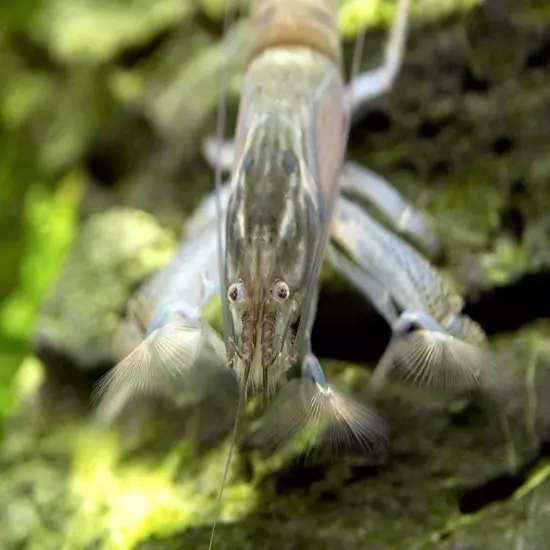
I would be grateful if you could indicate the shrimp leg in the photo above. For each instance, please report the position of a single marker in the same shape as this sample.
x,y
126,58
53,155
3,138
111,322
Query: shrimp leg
x,y
164,343
432,341
376,293
376,82
364,184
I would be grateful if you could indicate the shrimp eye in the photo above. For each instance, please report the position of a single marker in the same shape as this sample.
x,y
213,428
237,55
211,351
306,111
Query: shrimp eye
x,y
282,291
235,291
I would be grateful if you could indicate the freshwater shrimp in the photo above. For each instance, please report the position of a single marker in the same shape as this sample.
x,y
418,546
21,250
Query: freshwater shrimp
x,y
290,142
288,206
279,206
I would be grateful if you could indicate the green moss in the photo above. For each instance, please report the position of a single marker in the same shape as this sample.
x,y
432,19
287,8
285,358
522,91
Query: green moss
x,y
467,212
132,502
504,263
215,9
93,32
116,252
355,15
99,496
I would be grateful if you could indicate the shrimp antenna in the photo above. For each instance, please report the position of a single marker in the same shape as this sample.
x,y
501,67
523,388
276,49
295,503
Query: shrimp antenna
x,y
220,127
240,406
229,13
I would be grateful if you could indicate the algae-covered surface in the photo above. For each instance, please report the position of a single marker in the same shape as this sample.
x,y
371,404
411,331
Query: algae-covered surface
x,y
82,486
102,105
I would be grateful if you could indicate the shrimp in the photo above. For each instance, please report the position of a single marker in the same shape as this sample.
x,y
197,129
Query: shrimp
x,y
283,183
289,205
290,142
279,204
286,182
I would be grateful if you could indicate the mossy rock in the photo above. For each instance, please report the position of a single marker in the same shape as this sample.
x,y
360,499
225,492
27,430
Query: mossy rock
x,y
114,254
436,488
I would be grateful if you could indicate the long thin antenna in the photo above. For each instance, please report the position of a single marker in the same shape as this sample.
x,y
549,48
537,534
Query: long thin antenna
x,y
222,111
226,470
355,65
240,406
220,127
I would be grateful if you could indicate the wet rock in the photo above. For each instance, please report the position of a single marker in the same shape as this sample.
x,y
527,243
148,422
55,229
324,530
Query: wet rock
x,y
114,254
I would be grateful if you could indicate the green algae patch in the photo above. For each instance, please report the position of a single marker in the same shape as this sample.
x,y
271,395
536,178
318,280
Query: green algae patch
x,y
467,213
123,502
95,31
51,227
115,253
504,263
215,9
355,15
134,502
86,492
